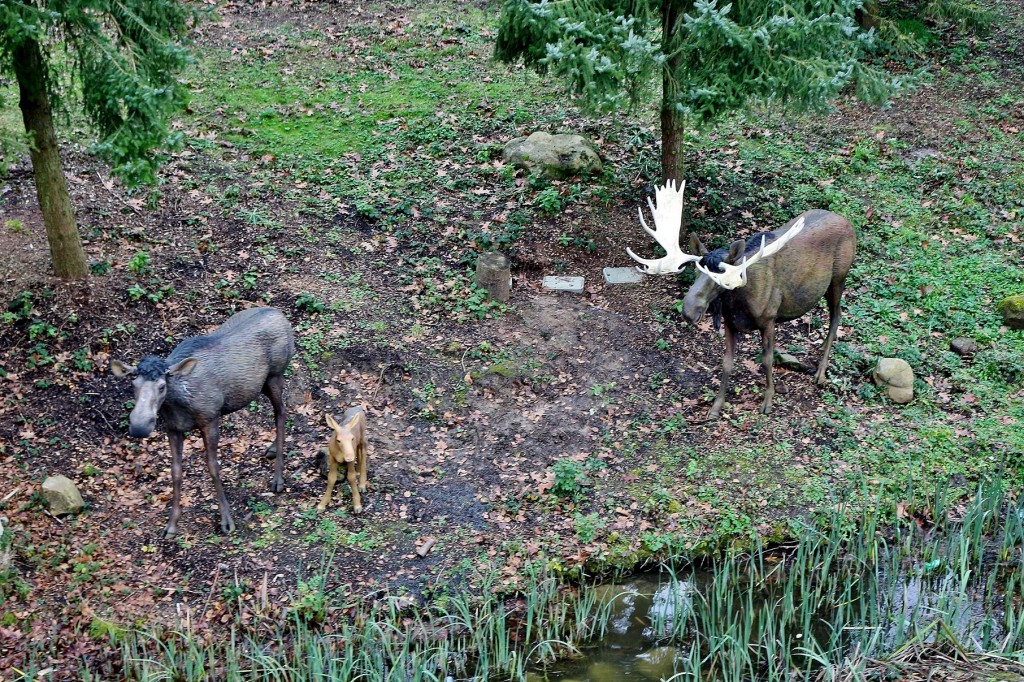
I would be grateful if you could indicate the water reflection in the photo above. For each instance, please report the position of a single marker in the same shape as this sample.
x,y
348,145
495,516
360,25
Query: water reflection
x,y
641,609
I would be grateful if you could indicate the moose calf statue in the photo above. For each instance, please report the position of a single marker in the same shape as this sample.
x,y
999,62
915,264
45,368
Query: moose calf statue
x,y
771,277
209,376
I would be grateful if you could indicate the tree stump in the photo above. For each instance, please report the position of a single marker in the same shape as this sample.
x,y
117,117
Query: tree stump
x,y
494,273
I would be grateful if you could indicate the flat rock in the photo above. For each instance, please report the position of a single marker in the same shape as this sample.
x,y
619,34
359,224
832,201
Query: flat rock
x,y
556,156
574,285
1012,308
963,346
622,276
896,377
790,362
62,496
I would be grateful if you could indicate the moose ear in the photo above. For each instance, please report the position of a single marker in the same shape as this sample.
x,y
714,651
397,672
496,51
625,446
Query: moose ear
x,y
330,422
120,369
183,368
696,246
736,250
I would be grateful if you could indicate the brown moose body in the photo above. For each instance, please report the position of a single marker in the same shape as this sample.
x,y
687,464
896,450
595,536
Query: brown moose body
x,y
755,283
206,377
347,446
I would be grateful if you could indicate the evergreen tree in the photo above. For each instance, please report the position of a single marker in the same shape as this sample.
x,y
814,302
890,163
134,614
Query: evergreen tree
x,y
119,59
711,58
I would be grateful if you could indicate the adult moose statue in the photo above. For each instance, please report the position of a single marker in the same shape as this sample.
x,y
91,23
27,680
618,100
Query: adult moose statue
x,y
209,376
771,277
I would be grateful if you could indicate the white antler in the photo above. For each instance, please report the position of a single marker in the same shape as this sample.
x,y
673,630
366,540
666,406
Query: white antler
x,y
735,276
668,219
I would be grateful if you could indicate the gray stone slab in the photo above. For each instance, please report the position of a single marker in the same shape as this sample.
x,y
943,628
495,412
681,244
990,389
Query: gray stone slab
x,y
573,285
622,276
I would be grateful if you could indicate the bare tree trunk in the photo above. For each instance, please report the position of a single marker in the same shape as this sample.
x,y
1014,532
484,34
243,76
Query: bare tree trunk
x,y
51,186
672,161
868,17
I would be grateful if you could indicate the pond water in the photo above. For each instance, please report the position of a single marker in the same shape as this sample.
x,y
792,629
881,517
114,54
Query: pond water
x,y
644,611
630,648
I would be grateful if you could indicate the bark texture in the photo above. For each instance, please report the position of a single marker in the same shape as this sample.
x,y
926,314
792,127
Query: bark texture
x,y
671,123
51,185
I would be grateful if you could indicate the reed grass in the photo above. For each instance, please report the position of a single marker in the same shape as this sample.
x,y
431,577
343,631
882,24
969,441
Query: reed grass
x,y
845,597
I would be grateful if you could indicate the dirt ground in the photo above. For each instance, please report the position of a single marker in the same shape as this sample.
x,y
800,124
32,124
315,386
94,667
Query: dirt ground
x,y
467,419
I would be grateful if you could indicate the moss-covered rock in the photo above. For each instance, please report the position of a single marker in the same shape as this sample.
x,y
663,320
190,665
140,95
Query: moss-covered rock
x,y
555,156
1012,308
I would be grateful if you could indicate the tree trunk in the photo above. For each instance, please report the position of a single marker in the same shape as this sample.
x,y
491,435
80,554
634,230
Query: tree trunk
x,y
51,186
672,162
868,17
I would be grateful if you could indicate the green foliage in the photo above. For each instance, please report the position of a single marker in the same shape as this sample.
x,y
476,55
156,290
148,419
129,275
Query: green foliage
x,y
310,303
717,58
570,478
119,59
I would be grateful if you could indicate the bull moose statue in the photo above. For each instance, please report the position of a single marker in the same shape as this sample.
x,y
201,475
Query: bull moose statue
x,y
752,284
206,377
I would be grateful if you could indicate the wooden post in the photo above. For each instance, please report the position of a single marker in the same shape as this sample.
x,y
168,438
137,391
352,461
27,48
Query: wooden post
x,y
494,273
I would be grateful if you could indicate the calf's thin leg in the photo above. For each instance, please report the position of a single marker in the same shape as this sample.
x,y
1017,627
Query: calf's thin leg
x,y
768,360
177,441
362,460
353,483
833,296
211,437
332,478
273,388
727,363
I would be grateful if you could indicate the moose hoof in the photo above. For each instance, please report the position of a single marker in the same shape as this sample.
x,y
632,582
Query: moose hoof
x,y
271,452
820,379
357,510
227,526
169,531
714,414
277,486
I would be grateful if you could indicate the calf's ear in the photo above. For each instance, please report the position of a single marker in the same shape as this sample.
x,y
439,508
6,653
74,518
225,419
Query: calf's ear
x,y
183,368
120,369
330,422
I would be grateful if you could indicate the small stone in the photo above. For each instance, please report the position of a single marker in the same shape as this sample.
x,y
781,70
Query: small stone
x,y
1012,308
62,496
574,285
896,376
963,346
622,276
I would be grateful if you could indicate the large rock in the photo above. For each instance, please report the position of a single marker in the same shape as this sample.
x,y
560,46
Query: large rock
x,y
62,496
896,377
556,156
1012,308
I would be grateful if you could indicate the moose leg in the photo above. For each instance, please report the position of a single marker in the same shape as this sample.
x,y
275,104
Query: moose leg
x,y
211,436
332,478
833,296
768,360
353,483
727,362
177,440
273,388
